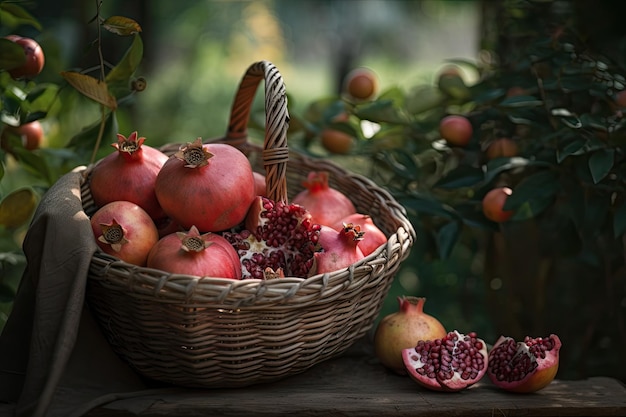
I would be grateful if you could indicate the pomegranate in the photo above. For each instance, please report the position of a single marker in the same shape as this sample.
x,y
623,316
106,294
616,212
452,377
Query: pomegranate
x,y
327,205
260,186
279,239
210,186
192,253
339,249
452,363
129,174
373,238
34,58
125,230
402,330
526,366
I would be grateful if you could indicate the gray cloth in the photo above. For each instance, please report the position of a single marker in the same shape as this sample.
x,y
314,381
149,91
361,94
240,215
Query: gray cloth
x,y
54,361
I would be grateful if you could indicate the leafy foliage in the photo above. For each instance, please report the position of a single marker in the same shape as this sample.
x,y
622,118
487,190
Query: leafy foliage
x,y
560,104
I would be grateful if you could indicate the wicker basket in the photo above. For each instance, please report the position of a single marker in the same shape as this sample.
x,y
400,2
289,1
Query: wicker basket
x,y
215,332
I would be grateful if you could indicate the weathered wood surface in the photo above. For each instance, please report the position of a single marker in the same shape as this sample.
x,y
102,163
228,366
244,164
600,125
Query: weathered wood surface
x,y
357,385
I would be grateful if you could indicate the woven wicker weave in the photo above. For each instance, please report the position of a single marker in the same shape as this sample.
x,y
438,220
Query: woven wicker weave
x,y
216,332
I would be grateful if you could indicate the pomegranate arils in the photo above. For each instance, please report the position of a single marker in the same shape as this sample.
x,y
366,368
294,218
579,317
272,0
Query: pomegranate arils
x,y
524,366
278,236
451,363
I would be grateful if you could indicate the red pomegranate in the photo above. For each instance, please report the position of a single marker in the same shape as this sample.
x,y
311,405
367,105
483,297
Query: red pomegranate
x,y
260,184
192,253
373,238
210,186
452,363
327,205
339,249
279,239
129,174
124,230
526,366
402,330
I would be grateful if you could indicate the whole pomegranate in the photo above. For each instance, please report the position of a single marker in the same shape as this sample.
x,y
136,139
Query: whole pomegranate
x,y
327,205
373,236
452,363
402,330
493,204
361,83
457,130
210,186
526,366
124,230
339,249
278,239
193,253
34,58
29,134
129,173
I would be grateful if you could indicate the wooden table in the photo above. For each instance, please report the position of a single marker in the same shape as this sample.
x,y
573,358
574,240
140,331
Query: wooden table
x,y
355,384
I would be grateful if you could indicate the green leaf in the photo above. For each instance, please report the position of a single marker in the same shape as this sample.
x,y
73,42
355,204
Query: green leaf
x,y
17,207
499,165
426,205
121,25
124,70
520,101
461,176
7,294
575,147
601,163
11,54
619,220
90,87
533,195
85,140
400,162
13,15
423,98
447,237
381,111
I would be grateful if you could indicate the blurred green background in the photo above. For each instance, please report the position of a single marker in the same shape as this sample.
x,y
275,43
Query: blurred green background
x,y
195,52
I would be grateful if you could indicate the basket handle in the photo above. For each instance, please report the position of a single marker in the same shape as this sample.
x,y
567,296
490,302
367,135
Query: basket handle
x,y
275,151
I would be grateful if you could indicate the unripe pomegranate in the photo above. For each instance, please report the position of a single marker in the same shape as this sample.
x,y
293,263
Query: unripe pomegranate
x,y
402,330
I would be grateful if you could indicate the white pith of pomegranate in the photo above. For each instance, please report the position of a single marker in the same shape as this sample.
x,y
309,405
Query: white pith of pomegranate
x,y
452,363
124,230
210,186
339,249
374,237
192,253
402,330
129,174
327,205
525,366
279,239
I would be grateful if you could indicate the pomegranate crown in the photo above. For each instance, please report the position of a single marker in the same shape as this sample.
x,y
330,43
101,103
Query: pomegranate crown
x,y
194,154
316,180
193,241
129,145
